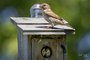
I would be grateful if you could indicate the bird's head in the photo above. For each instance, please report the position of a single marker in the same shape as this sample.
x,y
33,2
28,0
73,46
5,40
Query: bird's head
x,y
45,6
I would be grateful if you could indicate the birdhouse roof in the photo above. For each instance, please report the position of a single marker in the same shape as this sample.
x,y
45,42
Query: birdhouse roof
x,y
38,26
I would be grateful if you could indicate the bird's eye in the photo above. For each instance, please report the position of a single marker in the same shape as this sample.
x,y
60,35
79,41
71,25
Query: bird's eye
x,y
44,5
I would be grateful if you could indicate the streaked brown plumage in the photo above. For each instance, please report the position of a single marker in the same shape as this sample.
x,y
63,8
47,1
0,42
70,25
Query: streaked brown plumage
x,y
50,16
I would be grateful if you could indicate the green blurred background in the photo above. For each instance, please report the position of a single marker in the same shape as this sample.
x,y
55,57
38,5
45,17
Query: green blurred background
x,y
76,12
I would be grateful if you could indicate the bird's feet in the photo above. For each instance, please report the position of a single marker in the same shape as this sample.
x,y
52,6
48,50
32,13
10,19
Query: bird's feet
x,y
50,26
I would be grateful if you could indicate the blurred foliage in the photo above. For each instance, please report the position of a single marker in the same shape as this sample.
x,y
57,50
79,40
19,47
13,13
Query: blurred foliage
x,y
76,12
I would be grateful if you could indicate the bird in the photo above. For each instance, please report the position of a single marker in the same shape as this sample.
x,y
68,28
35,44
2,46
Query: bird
x,y
50,16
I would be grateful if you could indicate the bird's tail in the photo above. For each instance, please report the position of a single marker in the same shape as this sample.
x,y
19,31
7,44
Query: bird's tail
x,y
64,22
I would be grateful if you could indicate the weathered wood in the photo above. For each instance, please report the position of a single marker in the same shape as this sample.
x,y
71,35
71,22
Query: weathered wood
x,y
28,21
34,35
42,29
23,46
52,41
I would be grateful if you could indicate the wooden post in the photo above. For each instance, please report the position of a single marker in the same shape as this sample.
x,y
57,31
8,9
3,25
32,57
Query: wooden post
x,y
37,42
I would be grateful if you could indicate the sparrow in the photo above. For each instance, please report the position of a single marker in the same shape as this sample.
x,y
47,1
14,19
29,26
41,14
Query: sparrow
x,y
50,16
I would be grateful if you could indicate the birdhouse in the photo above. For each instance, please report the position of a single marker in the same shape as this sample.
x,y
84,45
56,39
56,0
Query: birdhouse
x,y
37,42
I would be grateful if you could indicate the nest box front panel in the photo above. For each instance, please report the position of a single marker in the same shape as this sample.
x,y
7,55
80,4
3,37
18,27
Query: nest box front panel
x,y
47,47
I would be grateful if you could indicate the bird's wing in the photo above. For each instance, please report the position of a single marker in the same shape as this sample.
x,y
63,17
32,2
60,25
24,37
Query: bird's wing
x,y
54,20
52,14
